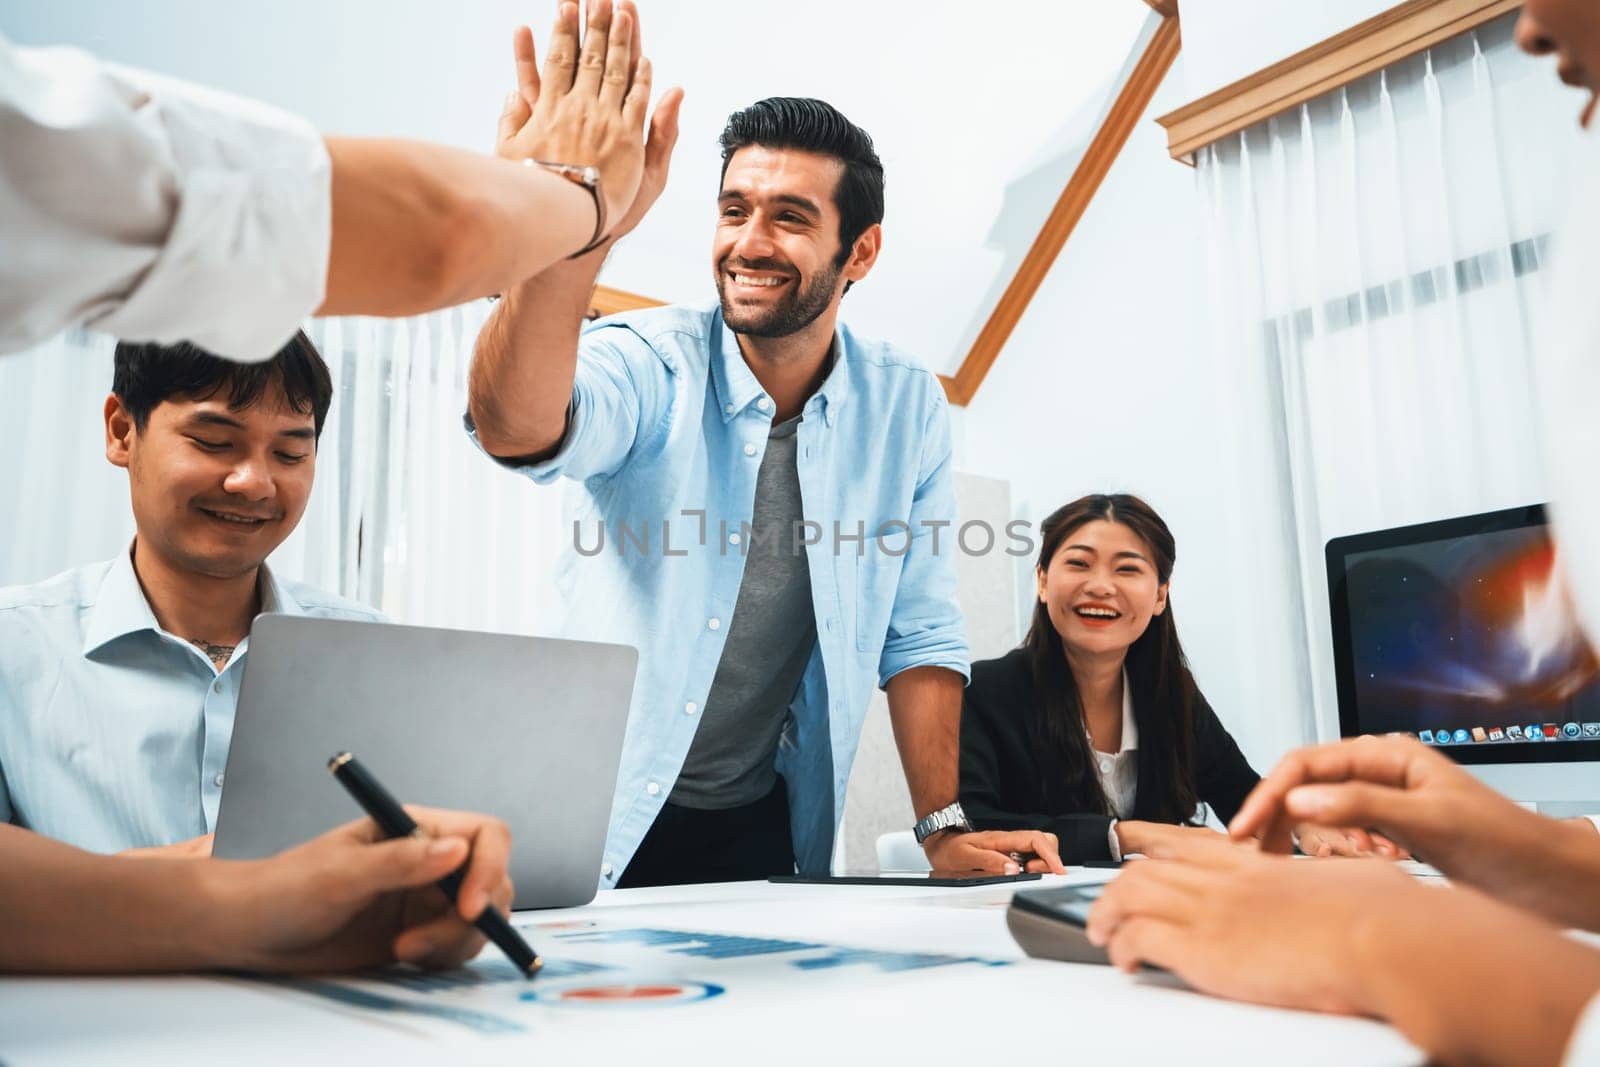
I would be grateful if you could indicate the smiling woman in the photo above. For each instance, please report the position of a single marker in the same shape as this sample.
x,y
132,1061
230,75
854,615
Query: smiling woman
x,y
1094,729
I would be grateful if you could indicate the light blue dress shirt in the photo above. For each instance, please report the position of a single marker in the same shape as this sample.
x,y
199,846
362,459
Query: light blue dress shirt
x,y
667,429
114,733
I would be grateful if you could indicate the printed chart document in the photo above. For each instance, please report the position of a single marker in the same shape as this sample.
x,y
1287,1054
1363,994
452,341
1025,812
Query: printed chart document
x,y
703,974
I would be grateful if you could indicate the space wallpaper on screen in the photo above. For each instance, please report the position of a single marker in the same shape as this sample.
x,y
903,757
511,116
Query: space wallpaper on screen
x,y
1468,633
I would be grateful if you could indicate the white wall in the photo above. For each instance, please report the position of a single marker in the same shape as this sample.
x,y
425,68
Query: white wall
x,y
1106,385
1225,40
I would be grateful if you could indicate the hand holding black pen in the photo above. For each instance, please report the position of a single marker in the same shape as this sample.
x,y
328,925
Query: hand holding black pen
x,y
392,819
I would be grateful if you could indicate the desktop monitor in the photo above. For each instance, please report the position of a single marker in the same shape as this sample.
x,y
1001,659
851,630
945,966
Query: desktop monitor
x,y
1461,633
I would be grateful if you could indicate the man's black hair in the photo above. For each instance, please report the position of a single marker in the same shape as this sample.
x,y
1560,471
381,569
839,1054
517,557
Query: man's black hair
x,y
816,126
147,374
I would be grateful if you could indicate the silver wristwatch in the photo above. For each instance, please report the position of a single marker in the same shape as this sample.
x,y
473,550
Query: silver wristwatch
x,y
949,817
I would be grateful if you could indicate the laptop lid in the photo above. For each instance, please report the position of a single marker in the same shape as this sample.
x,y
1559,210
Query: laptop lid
x,y
528,729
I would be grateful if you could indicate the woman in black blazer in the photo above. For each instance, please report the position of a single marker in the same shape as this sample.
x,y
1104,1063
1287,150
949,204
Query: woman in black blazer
x,y
1094,730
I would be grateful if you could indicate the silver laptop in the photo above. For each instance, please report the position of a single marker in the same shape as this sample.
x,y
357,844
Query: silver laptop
x,y
527,729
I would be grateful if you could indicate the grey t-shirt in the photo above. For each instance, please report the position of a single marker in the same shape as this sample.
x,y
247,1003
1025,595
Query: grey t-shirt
x,y
732,759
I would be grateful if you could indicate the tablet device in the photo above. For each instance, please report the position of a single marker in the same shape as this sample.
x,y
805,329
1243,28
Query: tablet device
x,y
952,878
1048,924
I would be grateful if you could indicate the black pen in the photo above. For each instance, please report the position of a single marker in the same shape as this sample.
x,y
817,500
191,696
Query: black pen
x,y
392,819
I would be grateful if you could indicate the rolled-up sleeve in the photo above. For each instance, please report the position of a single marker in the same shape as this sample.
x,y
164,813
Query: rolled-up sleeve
x,y
621,390
925,625
154,210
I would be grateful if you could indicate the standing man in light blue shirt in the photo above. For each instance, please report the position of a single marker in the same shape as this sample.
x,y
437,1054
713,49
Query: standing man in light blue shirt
x,y
118,680
764,507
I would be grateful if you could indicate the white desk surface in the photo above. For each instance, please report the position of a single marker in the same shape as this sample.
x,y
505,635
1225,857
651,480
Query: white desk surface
x,y
820,975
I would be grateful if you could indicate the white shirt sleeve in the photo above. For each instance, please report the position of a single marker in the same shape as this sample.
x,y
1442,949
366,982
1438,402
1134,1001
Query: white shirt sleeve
x,y
154,210
1583,1047
1114,841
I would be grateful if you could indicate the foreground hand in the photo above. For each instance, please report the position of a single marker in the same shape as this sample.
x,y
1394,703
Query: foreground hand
x,y
194,848
1240,924
350,899
1355,938
1346,841
1430,806
1412,794
992,851
588,107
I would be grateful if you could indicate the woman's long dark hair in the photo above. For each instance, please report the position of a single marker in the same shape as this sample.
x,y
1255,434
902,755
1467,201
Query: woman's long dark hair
x,y
1162,689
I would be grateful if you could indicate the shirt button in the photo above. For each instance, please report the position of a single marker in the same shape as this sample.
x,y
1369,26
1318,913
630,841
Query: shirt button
x,y
727,409
218,780
1105,765
713,624
216,687
606,870
764,404
733,539
749,450
652,789
690,708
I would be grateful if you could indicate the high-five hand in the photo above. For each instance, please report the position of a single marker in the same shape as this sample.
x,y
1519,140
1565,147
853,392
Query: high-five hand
x,y
588,107
657,150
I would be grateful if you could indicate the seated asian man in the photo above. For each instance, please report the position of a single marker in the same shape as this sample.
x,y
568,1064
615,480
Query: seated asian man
x,y
118,680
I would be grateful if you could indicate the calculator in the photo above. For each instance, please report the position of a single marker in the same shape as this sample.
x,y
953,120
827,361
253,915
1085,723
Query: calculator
x,y
1049,923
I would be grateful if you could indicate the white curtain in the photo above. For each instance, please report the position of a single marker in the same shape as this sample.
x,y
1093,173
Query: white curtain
x,y
1378,259
405,515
